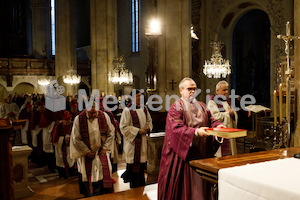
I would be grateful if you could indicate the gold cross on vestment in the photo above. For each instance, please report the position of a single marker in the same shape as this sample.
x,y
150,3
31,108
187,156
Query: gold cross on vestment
x,y
287,39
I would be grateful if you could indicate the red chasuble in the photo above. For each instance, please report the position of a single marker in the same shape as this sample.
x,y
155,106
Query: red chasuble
x,y
177,180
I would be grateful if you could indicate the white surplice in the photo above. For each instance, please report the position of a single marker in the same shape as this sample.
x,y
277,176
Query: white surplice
x,y
225,119
130,132
10,107
59,153
46,135
78,148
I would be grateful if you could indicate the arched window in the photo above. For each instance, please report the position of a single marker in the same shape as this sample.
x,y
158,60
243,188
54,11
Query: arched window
x,y
135,25
53,27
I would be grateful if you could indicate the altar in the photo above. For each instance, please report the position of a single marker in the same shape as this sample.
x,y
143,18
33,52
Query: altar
x,y
260,175
276,179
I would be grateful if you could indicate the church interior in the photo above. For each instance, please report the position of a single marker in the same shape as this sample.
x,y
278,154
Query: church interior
x,y
110,47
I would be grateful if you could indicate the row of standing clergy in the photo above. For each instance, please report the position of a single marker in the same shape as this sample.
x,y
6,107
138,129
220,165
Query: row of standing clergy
x,y
91,141
93,134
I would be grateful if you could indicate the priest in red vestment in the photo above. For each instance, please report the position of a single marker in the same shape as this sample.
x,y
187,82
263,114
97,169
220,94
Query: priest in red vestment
x,y
185,140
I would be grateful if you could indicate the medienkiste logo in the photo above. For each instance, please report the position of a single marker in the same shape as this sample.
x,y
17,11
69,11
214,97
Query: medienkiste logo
x,y
55,101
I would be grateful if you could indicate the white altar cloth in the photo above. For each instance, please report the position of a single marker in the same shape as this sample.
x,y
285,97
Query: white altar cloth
x,y
277,179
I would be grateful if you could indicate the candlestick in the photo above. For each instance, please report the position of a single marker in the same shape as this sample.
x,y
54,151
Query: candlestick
x,y
275,107
280,103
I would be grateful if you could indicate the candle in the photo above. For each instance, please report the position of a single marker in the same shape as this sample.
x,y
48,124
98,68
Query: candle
x,y
280,103
275,108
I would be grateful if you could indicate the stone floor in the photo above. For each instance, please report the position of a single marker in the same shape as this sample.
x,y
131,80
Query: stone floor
x,y
48,186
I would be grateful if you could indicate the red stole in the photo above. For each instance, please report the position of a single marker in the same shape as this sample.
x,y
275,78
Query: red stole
x,y
25,114
138,141
62,130
84,132
220,99
113,121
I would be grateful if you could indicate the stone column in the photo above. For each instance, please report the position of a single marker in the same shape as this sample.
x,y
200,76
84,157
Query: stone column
x,y
38,10
103,42
65,42
174,46
297,70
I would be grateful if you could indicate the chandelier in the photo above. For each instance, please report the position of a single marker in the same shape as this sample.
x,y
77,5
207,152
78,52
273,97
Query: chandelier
x,y
43,82
71,78
216,66
120,74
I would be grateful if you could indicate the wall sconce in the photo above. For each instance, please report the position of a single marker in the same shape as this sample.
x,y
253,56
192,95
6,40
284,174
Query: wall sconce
x,y
152,32
154,28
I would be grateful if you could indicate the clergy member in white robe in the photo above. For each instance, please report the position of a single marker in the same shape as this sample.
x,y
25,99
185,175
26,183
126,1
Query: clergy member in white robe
x,y
61,140
220,108
134,124
42,124
91,140
10,109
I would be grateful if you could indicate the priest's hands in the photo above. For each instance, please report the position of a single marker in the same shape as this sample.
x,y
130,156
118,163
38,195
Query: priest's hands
x,y
231,112
90,155
147,128
103,152
142,132
201,132
67,139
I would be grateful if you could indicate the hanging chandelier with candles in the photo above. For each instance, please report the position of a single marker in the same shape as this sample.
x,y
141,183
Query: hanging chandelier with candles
x,y
71,78
216,67
120,74
43,82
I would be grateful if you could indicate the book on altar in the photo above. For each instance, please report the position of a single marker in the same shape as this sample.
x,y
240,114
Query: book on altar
x,y
257,108
227,132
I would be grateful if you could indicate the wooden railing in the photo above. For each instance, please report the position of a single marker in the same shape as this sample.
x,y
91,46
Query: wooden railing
x,y
30,66
26,66
36,67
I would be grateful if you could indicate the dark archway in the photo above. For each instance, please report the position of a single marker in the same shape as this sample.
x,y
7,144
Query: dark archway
x,y
82,85
251,56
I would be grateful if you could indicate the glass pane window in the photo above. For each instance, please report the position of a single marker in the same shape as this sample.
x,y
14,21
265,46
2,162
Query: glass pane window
x,y
135,25
53,27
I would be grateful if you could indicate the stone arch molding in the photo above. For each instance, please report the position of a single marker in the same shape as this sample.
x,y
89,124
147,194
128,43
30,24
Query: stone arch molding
x,y
233,10
3,82
24,79
226,13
